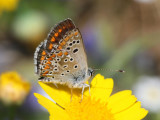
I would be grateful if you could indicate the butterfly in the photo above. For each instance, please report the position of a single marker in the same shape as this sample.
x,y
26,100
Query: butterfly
x,y
61,58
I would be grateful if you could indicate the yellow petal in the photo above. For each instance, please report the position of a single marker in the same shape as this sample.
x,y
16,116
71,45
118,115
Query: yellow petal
x,y
135,112
114,98
56,112
61,95
120,101
101,88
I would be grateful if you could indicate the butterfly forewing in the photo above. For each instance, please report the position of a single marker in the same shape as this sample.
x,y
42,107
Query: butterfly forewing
x,y
57,33
62,58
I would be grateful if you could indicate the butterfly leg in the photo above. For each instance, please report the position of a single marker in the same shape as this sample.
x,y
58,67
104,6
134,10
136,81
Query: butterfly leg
x,y
71,94
84,86
89,90
55,85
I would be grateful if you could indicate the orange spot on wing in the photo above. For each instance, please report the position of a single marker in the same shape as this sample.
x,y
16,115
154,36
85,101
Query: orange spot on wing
x,y
50,58
71,35
63,43
53,39
56,34
43,57
66,39
60,54
53,55
43,53
47,67
50,46
60,30
48,62
46,72
59,47
64,27
76,33
65,53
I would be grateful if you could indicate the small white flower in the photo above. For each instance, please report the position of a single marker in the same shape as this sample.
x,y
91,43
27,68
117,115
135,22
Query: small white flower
x,y
147,90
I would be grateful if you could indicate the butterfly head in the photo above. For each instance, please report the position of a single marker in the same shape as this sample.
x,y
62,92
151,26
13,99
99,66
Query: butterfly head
x,y
90,72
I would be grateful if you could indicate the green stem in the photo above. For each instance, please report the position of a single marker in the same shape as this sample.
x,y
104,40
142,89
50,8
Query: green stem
x,y
12,112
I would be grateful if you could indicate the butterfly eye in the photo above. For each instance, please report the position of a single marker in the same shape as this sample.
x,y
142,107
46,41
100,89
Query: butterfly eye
x,y
90,72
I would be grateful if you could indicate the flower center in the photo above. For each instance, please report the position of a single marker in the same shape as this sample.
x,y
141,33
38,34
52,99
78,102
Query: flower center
x,y
88,109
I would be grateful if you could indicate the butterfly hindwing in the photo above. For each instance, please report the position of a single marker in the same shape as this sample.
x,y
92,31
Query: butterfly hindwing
x,y
39,57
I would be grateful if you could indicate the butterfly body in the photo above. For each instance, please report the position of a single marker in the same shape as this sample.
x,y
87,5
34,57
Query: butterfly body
x,y
61,58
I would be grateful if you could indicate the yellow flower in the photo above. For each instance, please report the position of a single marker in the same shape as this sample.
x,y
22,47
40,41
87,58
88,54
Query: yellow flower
x,y
8,5
12,89
97,106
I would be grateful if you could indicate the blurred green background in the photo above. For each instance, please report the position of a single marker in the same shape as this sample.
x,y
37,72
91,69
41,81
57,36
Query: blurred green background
x,y
123,34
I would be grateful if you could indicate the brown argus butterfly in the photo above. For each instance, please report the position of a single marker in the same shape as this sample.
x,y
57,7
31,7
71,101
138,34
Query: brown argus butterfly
x,y
61,58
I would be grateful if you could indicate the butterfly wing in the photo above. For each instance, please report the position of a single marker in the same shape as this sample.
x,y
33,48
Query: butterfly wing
x,y
44,52
62,58
39,56
76,58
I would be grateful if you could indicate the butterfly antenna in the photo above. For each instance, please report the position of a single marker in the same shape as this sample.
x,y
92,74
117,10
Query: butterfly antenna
x,y
122,71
